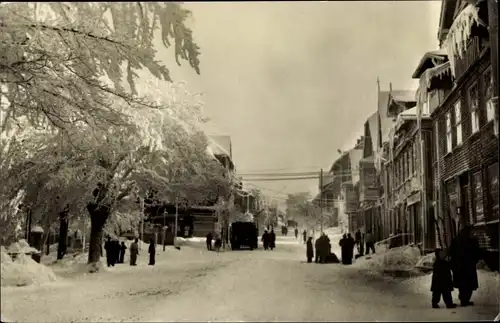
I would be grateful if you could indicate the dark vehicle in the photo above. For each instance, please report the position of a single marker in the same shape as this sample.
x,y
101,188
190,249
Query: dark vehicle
x,y
244,234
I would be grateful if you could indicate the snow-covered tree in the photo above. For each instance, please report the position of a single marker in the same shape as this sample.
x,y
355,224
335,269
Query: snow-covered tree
x,y
59,59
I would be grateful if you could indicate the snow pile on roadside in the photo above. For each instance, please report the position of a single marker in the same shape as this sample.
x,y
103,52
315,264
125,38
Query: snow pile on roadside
x,y
397,259
77,264
21,247
23,271
426,261
488,292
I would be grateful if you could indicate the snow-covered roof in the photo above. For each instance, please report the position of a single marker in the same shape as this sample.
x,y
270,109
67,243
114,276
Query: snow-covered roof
x,y
410,114
429,60
426,78
220,145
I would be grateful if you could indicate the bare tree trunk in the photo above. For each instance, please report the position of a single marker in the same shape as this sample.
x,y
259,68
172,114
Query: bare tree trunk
x,y
98,217
63,234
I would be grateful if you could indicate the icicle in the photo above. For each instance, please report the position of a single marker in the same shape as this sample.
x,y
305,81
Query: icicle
x,y
459,33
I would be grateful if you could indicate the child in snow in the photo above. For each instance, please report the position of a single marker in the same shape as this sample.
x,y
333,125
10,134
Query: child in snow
x,y
442,282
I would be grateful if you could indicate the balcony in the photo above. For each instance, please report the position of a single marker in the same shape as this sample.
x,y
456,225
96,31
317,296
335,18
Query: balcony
x,y
469,57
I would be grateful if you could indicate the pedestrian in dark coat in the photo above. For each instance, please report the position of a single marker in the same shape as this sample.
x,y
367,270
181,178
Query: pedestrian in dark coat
x,y
209,241
134,252
116,252
296,233
109,252
317,247
272,240
442,283
349,245
265,240
465,254
304,236
325,249
343,248
309,250
370,242
152,252
123,248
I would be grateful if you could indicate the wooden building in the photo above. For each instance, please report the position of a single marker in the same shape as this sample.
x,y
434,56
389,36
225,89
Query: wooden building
x,y
466,123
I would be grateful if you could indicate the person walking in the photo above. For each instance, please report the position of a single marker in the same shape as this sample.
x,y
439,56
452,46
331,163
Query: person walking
x,y
357,239
317,248
465,254
272,240
108,246
442,283
265,240
296,233
304,236
134,252
349,251
209,241
370,242
309,250
343,249
152,252
123,248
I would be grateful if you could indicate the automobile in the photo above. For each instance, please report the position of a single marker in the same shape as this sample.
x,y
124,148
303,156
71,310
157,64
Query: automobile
x,y
244,234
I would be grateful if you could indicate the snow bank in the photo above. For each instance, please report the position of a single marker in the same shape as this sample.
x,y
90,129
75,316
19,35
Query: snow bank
x,y
426,261
402,259
488,292
23,271
21,247
77,264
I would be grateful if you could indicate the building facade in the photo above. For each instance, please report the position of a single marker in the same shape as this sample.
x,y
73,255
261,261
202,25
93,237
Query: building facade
x,y
466,126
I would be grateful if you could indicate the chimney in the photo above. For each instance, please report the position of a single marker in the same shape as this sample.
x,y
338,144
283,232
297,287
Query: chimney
x,y
390,86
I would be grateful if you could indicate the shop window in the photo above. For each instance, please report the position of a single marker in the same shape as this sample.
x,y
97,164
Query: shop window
x,y
477,197
493,191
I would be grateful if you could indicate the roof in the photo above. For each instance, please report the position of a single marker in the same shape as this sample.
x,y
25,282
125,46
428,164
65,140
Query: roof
x,y
220,145
446,17
429,60
407,115
385,121
373,125
402,96
355,155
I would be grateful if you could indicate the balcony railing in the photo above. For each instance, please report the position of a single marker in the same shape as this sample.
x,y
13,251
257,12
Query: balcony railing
x,y
469,57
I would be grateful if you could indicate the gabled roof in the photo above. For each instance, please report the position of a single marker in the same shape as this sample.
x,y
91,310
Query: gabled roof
x,y
408,115
429,60
220,145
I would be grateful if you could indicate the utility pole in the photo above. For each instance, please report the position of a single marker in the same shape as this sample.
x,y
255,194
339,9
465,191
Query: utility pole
x,y
321,197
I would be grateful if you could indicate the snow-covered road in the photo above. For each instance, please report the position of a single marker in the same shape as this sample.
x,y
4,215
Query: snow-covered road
x,y
196,285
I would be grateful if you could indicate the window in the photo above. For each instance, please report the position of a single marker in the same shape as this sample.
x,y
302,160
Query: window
x,y
458,123
493,191
477,197
405,167
488,94
448,133
474,107
416,156
410,161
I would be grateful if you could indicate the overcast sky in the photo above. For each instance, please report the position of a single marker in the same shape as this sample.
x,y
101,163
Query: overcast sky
x,y
292,82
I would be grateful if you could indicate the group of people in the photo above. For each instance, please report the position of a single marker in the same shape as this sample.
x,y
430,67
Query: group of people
x,y
323,249
347,244
362,240
456,268
115,252
269,240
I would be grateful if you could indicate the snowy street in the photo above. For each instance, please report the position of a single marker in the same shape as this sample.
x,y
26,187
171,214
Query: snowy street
x,y
197,285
